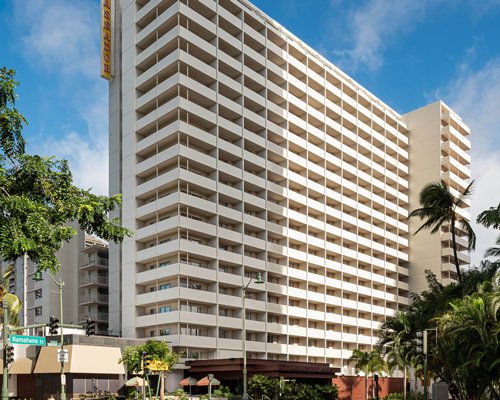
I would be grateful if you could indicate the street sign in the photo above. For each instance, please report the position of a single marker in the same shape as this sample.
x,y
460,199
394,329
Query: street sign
x,y
62,355
29,340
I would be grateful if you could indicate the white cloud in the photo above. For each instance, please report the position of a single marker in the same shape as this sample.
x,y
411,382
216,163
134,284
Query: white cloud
x,y
59,35
475,95
372,28
62,38
86,152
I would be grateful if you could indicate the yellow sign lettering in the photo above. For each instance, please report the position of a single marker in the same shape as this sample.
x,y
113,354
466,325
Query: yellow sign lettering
x,y
106,36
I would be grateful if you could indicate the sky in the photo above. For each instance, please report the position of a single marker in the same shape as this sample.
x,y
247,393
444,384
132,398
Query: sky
x,y
407,53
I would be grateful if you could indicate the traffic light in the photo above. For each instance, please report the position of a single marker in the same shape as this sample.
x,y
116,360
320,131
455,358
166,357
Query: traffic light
x,y
53,325
145,362
421,342
89,327
9,355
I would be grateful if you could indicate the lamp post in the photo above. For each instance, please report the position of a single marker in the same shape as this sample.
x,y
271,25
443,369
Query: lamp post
x,y
257,280
5,338
38,277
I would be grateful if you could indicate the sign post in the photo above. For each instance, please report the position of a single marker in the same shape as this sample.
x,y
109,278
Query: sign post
x,y
62,356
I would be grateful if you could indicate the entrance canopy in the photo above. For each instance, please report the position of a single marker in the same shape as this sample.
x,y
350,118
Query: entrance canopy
x,y
82,360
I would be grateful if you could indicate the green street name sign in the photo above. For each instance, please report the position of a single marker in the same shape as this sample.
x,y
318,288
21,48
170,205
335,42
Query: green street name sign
x,y
30,340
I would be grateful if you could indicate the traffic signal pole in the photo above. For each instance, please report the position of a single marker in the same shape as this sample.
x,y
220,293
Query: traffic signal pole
x,y
63,377
5,339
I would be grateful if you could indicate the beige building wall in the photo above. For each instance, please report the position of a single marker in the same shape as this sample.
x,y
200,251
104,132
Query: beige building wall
x,y
239,150
439,146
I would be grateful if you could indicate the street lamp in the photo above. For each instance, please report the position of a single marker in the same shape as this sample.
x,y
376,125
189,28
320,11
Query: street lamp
x,y
257,280
38,277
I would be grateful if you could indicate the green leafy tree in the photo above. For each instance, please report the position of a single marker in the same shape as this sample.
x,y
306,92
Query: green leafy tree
x,y
38,197
155,351
439,207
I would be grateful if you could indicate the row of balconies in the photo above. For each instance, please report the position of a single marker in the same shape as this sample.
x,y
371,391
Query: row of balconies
x,y
324,173
276,274
298,301
205,320
207,342
258,46
321,209
192,85
250,229
255,259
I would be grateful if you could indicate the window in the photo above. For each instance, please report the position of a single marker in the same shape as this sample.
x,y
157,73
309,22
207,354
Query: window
x,y
38,311
165,332
164,264
38,294
165,309
272,339
165,286
152,333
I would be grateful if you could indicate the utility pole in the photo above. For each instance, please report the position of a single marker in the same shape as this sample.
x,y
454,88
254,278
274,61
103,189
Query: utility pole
x,y
5,339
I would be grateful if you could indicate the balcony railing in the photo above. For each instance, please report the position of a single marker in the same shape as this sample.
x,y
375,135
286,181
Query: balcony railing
x,y
96,280
96,316
98,261
95,298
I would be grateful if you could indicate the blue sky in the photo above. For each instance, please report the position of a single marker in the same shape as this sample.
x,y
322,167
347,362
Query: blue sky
x,y
406,52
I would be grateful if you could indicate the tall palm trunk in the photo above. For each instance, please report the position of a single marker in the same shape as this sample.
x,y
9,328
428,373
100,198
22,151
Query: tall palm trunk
x,y
366,386
455,252
404,381
162,385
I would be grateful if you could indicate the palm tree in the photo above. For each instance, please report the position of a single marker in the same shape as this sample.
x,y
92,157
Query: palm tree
x,y
10,300
472,324
493,252
439,207
396,333
368,362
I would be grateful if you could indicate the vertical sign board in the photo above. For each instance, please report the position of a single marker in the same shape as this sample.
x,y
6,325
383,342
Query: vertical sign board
x,y
106,42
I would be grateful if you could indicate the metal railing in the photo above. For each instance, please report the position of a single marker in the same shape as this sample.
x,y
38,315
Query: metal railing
x,y
101,280
95,298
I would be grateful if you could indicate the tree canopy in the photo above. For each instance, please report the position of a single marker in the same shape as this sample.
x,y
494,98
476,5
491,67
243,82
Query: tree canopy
x,y
465,316
38,198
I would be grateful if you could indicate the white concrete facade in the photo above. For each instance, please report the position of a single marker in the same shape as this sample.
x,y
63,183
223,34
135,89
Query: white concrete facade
x,y
239,150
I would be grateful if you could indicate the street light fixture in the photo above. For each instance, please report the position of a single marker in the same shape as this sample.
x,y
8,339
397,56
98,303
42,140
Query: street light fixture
x,y
38,277
258,280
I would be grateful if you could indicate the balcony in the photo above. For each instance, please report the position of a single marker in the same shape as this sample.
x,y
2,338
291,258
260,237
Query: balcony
x,y
94,298
95,263
94,280
96,316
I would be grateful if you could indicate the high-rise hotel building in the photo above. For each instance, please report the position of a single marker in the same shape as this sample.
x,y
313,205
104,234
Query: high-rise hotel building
x,y
239,150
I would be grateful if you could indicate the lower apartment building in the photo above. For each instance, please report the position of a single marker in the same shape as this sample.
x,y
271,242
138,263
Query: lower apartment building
x,y
240,151
84,273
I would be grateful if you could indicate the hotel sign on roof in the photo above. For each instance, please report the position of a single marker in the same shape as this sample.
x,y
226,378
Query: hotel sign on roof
x,y
106,36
